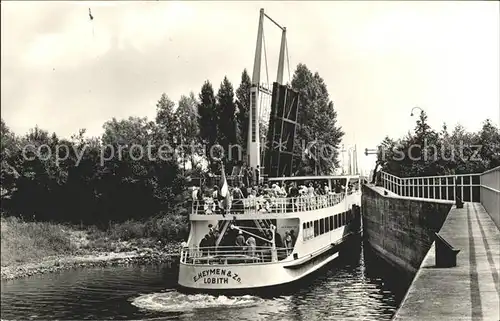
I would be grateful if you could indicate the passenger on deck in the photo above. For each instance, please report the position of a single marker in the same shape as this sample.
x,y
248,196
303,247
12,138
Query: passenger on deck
x,y
194,195
310,190
237,200
288,242
195,192
215,193
283,190
211,241
278,240
240,241
250,175
246,177
293,193
204,243
294,238
252,246
244,190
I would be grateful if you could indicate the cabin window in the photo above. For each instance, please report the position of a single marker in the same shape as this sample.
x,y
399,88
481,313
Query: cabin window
x,y
337,223
344,215
316,228
321,226
332,226
327,224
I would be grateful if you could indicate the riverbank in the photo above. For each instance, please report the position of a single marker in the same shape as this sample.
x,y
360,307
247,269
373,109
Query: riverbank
x,y
29,248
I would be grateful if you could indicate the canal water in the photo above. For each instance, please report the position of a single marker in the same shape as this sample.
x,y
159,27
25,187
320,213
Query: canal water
x,y
357,286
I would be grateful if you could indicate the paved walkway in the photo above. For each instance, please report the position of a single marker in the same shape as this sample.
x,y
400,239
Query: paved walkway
x,y
469,291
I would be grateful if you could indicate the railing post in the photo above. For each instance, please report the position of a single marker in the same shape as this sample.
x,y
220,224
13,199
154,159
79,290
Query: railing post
x,y
454,188
462,188
470,181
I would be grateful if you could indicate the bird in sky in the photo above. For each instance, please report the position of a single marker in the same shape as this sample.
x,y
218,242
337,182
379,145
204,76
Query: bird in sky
x,y
90,15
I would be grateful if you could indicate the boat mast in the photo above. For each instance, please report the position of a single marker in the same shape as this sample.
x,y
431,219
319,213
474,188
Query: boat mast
x,y
254,139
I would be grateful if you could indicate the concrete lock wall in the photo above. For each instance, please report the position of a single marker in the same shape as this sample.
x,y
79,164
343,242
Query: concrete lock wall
x,y
490,193
401,230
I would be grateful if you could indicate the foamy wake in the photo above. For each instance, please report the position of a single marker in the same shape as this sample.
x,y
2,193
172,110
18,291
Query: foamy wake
x,y
174,301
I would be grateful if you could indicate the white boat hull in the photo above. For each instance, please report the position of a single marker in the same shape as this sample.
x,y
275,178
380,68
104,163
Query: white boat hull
x,y
238,277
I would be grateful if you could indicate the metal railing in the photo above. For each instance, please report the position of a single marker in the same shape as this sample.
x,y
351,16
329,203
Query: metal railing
x,y
490,193
466,186
263,204
233,254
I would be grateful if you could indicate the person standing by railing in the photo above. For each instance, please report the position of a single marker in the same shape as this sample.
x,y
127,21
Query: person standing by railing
x,y
294,238
240,242
237,200
194,195
204,244
252,246
294,194
257,174
211,241
311,198
288,243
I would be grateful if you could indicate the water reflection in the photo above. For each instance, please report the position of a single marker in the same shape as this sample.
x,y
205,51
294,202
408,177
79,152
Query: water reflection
x,y
355,286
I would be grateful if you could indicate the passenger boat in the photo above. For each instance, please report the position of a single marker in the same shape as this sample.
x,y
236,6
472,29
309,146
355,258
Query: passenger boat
x,y
292,236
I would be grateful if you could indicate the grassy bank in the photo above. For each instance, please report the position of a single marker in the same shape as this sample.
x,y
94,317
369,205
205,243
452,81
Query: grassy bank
x,y
39,245
24,242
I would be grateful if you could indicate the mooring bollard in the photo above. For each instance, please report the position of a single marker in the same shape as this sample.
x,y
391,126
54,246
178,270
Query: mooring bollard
x,y
446,255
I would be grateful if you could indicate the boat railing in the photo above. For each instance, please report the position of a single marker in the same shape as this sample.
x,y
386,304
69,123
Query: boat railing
x,y
232,254
265,204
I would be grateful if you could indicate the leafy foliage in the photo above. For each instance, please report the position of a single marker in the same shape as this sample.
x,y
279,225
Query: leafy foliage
x,y
243,109
318,122
426,152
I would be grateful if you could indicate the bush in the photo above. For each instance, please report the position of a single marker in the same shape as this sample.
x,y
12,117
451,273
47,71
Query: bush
x,y
164,227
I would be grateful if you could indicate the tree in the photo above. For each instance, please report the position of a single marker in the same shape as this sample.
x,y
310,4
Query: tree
x,y
207,113
8,174
428,153
226,110
139,180
166,119
227,124
187,117
243,109
489,139
318,123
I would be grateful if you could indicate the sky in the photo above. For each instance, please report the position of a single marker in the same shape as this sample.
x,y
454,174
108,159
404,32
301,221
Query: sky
x,y
62,71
